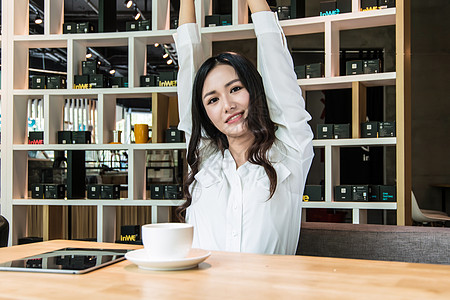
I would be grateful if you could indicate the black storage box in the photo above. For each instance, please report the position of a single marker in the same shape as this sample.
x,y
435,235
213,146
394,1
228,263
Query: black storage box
x,y
360,193
37,191
54,191
38,82
313,193
70,27
325,131
56,82
343,193
148,80
300,71
117,82
132,26
225,20
103,191
85,27
36,137
341,131
157,191
81,82
314,70
382,193
369,4
372,66
130,233
173,191
173,135
344,6
386,3
354,67
98,81
89,67
64,137
369,130
328,7
213,20
145,25
81,137
386,129
284,12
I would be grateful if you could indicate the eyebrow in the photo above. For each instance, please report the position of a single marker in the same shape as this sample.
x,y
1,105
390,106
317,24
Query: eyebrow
x,y
226,85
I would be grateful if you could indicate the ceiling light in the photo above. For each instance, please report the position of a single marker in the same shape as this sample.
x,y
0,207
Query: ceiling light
x,y
165,55
128,3
137,15
112,71
156,45
169,61
99,62
38,20
88,55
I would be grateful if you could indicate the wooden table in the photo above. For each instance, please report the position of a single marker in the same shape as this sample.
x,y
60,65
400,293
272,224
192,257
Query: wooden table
x,y
230,276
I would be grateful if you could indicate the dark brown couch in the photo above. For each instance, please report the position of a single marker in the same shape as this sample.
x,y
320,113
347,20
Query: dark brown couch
x,y
376,242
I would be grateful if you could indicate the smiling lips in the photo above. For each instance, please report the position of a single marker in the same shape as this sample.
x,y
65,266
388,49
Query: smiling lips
x,y
234,118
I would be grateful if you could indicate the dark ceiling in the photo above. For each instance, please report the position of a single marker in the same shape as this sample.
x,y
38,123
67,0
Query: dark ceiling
x,y
111,57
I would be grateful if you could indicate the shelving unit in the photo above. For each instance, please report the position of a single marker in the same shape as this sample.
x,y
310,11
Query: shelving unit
x,y
16,42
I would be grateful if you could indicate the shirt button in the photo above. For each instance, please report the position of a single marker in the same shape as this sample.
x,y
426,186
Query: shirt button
x,y
234,233
235,206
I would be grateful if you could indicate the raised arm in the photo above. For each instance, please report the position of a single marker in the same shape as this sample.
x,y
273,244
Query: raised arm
x,y
187,12
190,56
285,101
258,5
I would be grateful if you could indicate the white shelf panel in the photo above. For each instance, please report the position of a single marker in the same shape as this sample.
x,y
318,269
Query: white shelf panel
x,y
107,39
350,205
93,93
41,41
382,17
92,147
387,141
345,82
90,202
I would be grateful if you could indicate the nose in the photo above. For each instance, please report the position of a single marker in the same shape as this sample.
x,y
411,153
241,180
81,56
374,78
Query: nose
x,y
229,104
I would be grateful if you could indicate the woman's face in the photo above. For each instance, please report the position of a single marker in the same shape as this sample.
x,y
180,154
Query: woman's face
x,y
226,101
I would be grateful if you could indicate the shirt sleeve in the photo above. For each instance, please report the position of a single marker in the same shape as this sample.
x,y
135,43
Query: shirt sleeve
x,y
285,101
190,56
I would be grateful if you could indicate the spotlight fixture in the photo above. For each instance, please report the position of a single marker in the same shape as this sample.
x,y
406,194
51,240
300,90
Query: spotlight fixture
x,y
137,15
112,71
165,55
156,45
88,55
99,62
170,61
128,3
38,20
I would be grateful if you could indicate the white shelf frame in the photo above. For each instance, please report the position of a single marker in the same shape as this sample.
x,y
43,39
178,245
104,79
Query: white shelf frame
x,y
16,43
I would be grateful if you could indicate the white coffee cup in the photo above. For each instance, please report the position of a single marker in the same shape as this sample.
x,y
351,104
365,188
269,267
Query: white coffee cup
x,y
167,240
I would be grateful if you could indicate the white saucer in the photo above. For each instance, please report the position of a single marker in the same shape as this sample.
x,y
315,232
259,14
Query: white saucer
x,y
195,256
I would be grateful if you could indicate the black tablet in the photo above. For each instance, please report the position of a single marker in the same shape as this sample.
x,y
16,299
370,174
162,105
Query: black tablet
x,y
66,261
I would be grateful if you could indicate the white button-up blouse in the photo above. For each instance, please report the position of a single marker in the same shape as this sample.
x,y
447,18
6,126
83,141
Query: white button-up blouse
x,y
230,208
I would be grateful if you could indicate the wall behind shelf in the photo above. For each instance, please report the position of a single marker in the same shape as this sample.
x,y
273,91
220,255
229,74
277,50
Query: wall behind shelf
x,y
430,105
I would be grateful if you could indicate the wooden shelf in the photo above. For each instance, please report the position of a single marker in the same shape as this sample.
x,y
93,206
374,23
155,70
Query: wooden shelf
x,y
89,93
388,141
94,147
345,82
350,205
91,202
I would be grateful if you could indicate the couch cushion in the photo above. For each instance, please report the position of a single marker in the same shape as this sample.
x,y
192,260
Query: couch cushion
x,y
376,242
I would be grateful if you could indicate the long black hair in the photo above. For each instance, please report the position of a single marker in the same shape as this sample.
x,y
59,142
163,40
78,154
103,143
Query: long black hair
x,y
258,121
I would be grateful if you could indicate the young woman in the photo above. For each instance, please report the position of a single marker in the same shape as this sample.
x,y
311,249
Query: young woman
x,y
250,146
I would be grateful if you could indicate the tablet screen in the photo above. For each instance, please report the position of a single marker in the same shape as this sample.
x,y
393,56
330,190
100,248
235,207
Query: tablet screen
x,y
66,260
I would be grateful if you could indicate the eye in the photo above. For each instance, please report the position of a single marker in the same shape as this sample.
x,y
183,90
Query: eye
x,y
235,89
212,100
